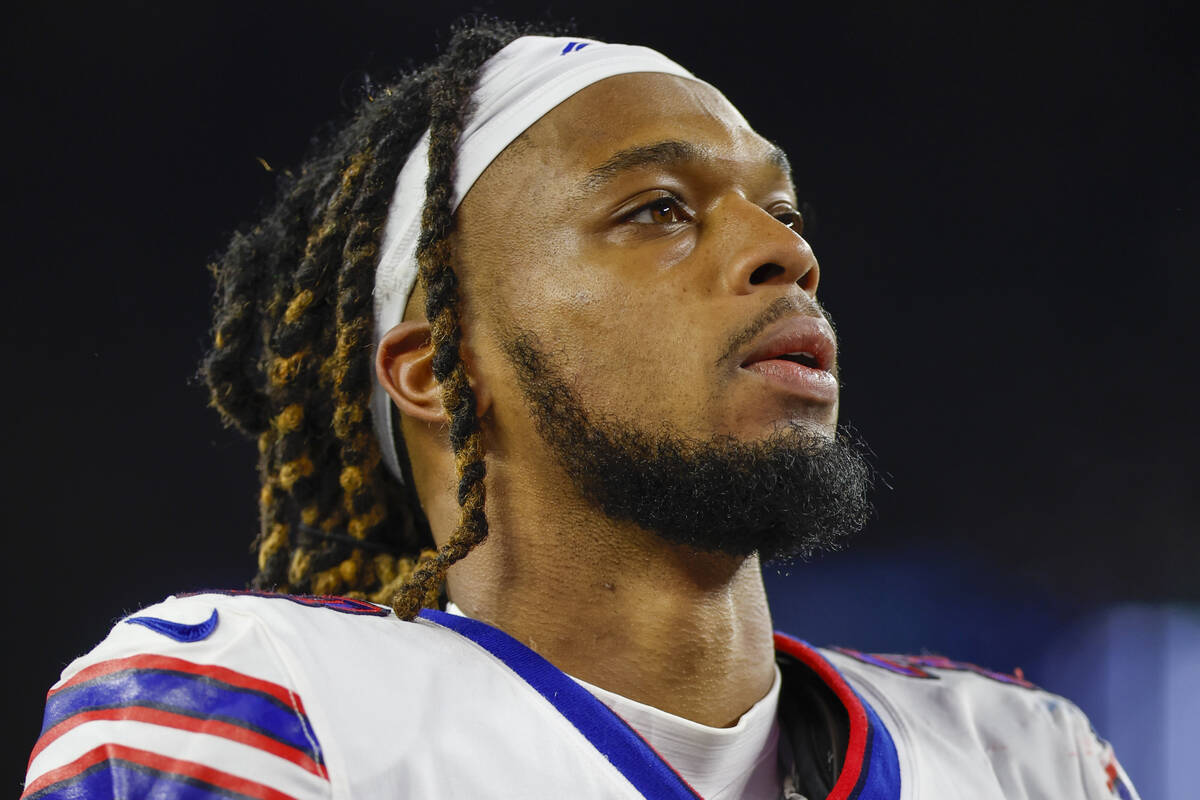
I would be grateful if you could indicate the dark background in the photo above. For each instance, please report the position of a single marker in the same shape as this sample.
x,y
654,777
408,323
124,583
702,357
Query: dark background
x,y
1006,217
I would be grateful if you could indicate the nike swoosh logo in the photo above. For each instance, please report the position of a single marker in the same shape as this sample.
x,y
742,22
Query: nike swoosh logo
x,y
179,631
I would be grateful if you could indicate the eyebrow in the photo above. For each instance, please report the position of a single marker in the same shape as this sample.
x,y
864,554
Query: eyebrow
x,y
668,153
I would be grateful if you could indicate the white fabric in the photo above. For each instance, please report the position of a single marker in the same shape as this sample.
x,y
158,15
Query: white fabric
x,y
736,763
416,710
740,762
960,735
516,88
399,709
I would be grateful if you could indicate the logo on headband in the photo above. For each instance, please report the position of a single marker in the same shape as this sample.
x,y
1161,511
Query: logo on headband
x,y
573,47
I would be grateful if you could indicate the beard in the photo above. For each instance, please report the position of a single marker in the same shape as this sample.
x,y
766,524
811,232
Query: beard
x,y
794,493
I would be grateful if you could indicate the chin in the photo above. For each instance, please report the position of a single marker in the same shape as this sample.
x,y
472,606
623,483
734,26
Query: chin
x,y
822,424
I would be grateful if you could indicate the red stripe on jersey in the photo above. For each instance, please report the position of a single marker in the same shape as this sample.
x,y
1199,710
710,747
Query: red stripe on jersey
x,y
170,719
150,661
857,748
172,766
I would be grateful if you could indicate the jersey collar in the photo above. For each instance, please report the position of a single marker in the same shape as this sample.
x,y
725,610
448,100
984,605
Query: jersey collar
x,y
871,770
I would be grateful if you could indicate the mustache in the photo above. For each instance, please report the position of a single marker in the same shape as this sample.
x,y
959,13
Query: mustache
x,y
778,309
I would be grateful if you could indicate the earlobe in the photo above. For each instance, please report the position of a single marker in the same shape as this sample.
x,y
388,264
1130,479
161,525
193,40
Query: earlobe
x,y
404,367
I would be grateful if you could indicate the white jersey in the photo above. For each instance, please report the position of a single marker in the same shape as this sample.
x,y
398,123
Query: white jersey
x,y
221,695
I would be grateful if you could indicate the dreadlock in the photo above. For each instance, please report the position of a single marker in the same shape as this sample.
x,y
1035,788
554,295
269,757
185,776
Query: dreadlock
x,y
291,360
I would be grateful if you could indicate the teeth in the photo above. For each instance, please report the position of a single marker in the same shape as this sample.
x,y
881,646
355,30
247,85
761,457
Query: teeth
x,y
802,357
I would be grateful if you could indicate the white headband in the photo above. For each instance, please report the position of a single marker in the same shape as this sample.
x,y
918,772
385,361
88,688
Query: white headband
x,y
517,87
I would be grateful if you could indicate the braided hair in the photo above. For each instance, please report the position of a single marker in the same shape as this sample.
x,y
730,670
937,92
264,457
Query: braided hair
x,y
291,359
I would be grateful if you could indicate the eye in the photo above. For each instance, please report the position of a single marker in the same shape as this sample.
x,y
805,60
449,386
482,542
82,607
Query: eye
x,y
792,218
664,210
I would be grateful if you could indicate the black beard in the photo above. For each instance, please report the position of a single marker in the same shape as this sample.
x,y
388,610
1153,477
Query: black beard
x,y
789,495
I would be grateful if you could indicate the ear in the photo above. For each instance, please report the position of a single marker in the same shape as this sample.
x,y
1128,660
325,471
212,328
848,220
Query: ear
x,y
404,367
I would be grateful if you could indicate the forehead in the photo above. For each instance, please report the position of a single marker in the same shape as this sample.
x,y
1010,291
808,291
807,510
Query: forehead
x,y
626,111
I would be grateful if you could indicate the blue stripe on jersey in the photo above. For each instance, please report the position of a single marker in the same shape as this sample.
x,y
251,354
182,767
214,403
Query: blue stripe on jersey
x,y
607,732
120,778
190,695
880,775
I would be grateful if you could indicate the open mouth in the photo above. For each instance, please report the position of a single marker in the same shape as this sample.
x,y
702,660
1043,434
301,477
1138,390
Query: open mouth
x,y
798,356
805,340
802,358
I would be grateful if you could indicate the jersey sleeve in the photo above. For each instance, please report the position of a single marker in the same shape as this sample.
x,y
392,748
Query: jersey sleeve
x,y
966,731
1103,777
185,699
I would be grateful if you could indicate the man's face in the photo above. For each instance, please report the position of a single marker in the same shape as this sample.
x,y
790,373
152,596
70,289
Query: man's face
x,y
648,234
641,306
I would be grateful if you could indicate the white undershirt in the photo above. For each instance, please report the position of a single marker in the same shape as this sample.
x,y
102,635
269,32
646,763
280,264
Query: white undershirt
x,y
719,763
736,763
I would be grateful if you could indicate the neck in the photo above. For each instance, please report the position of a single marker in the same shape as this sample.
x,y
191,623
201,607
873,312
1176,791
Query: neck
x,y
609,603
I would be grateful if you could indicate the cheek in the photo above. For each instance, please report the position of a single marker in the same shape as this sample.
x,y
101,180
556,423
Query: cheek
x,y
628,353
624,334
581,314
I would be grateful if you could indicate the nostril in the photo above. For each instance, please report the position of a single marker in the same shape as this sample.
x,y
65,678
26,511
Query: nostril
x,y
808,281
765,273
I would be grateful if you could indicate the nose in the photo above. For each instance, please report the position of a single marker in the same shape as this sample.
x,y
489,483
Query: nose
x,y
761,250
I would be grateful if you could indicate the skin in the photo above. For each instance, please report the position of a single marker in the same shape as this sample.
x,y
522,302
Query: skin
x,y
638,306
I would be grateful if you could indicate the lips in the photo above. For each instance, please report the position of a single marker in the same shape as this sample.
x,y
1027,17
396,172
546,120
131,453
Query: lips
x,y
797,355
807,341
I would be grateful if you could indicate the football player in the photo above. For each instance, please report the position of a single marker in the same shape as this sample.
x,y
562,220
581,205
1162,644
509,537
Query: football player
x,y
533,356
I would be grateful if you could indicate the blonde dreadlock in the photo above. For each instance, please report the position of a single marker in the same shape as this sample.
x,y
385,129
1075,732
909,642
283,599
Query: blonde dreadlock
x,y
291,362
